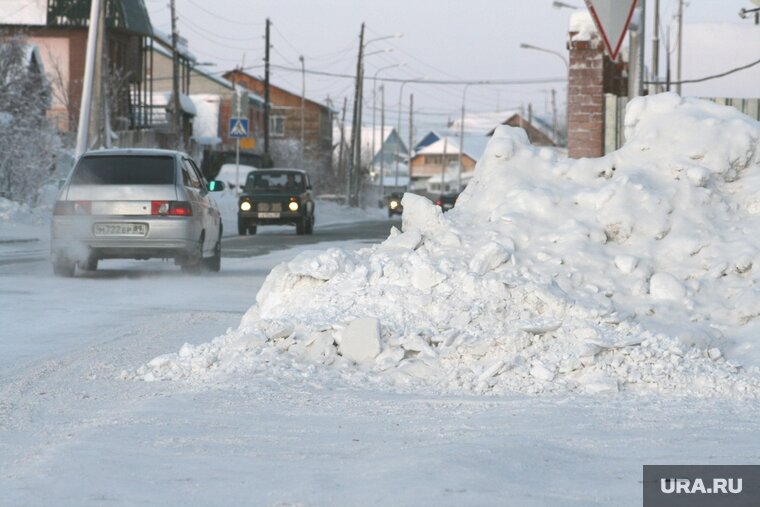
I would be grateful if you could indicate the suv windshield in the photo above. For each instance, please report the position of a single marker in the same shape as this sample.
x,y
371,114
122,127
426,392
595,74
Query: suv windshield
x,y
126,170
261,181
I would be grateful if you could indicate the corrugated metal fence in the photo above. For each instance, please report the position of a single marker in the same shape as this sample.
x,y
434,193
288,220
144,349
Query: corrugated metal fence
x,y
614,116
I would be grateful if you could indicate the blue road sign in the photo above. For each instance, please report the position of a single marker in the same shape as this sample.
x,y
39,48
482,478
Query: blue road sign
x,y
239,127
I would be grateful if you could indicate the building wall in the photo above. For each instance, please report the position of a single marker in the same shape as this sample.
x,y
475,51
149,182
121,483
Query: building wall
x,y
202,84
287,105
430,165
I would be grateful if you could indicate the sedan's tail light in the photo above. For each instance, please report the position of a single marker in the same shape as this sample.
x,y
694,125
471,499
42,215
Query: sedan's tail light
x,y
72,208
172,208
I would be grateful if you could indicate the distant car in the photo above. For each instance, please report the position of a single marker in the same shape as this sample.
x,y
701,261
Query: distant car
x,y
228,172
394,205
447,201
136,204
276,197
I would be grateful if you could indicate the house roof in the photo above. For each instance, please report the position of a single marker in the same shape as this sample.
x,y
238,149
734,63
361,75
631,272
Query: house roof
x,y
447,144
253,97
229,74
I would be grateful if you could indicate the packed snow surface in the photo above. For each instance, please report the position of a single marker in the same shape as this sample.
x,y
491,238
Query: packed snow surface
x,y
634,272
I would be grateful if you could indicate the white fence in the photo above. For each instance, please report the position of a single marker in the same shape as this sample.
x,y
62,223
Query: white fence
x,y
614,116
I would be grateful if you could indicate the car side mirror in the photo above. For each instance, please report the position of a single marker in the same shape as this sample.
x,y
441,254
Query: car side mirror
x,y
215,185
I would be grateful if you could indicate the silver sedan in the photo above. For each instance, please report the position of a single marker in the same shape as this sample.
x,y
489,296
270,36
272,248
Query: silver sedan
x,y
136,204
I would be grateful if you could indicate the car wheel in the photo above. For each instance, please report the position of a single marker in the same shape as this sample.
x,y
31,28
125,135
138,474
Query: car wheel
x,y
194,261
301,226
214,263
310,225
242,227
91,264
64,267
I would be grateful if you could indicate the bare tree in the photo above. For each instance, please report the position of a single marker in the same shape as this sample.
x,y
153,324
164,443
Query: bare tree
x,y
27,140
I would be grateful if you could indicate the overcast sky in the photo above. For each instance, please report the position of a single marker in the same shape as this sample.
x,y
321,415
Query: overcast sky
x,y
443,39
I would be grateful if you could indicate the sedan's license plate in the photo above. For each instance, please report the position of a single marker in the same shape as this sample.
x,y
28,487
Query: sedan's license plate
x,y
269,215
125,229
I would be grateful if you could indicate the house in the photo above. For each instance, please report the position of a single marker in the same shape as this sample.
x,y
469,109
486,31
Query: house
x,y
214,100
58,28
539,134
539,131
439,157
287,109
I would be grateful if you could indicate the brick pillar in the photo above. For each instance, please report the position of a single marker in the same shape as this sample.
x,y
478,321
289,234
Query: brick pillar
x,y
591,75
585,98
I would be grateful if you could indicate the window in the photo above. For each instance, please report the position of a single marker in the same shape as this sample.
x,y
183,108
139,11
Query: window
x,y
277,126
124,170
260,181
189,178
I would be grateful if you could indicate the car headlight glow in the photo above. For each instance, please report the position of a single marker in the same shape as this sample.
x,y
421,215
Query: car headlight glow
x,y
245,206
394,204
293,206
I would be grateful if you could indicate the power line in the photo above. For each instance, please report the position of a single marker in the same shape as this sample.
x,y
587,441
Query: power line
x,y
707,78
222,18
434,81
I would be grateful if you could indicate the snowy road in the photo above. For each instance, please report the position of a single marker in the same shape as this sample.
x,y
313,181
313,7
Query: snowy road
x,y
73,433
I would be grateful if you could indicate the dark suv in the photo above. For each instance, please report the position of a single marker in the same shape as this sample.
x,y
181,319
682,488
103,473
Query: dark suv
x,y
276,197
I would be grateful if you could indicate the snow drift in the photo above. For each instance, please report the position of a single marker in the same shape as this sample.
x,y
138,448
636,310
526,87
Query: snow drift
x,y
637,271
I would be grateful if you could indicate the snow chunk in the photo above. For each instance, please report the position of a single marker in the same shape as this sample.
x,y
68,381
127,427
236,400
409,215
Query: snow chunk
x,y
360,341
666,286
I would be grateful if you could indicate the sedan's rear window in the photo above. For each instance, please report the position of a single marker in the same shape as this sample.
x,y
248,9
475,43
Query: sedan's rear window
x,y
127,170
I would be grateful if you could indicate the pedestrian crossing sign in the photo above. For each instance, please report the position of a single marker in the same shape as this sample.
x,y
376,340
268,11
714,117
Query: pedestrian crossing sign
x,y
239,128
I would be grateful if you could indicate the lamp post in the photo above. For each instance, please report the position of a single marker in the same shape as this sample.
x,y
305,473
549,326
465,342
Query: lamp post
x,y
374,98
382,126
461,139
556,53
398,131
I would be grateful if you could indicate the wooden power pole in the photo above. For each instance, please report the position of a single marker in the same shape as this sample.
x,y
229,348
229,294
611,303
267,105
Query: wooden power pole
x,y
266,91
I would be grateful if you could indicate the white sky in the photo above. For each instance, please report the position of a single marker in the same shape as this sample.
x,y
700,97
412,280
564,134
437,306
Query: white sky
x,y
443,39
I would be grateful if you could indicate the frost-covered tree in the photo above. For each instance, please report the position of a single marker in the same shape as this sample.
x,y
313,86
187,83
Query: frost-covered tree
x,y
27,140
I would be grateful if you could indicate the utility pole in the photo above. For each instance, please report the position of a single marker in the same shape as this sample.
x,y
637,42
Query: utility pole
x,y
175,78
554,115
266,90
341,165
411,135
85,108
382,141
642,46
303,104
656,45
356,148
680,45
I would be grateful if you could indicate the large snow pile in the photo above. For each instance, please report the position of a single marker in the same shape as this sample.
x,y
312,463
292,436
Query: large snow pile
x,y
636,271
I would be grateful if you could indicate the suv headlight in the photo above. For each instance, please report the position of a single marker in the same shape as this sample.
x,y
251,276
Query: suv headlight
x,y
293,206
245,206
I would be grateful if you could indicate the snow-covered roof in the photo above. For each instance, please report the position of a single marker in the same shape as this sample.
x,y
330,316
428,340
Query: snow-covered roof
x,y
447,144
165,99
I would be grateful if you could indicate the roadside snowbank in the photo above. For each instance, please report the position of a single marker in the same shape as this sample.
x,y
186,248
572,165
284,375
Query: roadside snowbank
x,y
637,271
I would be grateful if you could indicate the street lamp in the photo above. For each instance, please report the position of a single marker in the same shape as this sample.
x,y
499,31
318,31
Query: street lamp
x,y
559,5
303,103
374,107
556,53
398,131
